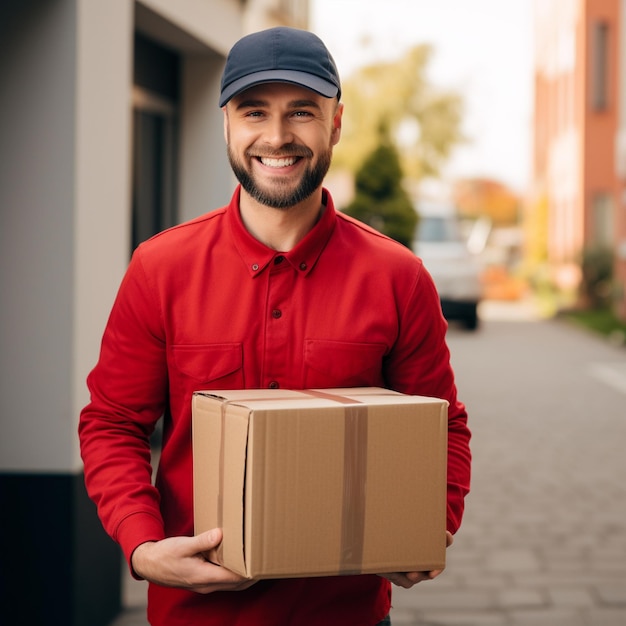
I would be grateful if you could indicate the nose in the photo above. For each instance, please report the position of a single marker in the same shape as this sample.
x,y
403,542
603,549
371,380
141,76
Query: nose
x,y
277,132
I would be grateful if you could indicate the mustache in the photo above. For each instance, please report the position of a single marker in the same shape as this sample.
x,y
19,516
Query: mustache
x,y
287,150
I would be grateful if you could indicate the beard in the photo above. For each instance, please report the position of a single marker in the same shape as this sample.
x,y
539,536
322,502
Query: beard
x,y
282,194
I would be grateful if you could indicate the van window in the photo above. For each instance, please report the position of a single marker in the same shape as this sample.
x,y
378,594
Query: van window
x,y
438,229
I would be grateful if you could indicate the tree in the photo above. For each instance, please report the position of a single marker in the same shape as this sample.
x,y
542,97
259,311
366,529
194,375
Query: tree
x,y
380,200
422,121
597,264
476,197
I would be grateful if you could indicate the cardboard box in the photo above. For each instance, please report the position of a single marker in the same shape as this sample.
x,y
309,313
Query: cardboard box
x,y
321,482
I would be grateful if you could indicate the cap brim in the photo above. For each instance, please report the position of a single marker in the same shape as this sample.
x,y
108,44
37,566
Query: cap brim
x,y
310,81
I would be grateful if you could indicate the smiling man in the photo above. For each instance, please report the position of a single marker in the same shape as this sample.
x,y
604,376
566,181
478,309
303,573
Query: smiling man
x,y
290,132
280,138
277,289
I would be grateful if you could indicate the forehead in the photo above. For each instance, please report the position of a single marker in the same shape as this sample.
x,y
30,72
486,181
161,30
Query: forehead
x,y
279,92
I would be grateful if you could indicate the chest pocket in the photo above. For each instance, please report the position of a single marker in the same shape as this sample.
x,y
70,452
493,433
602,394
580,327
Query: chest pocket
x,y
210,366
343,364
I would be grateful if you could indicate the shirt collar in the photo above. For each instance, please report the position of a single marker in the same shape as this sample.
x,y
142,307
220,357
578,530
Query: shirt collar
x,y
303,257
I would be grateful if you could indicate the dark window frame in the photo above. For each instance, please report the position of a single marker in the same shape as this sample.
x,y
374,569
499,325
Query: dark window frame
x,y
600,65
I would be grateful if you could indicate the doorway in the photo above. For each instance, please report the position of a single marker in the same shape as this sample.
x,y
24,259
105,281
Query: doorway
x,y
154,138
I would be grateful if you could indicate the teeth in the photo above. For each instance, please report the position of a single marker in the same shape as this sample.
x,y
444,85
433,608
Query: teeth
x,y
284,162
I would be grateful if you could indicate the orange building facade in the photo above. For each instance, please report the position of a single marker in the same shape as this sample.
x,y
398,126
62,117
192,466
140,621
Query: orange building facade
x,y
580,133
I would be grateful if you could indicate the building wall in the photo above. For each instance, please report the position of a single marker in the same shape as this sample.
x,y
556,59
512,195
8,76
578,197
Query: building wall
x,y
63,191
600,123
577,137
558,136
620,164
65,196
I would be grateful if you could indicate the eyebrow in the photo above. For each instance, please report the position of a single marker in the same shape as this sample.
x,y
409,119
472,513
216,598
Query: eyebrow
x,y
252,103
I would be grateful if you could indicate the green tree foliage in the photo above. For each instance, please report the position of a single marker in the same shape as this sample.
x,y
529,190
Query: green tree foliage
x,y
422,121
597,276
380,200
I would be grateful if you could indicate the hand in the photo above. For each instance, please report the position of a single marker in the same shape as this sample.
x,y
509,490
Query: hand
x,y
178,562
408,579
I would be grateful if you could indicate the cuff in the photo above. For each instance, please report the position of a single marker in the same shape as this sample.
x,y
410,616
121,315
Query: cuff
x,y
137,529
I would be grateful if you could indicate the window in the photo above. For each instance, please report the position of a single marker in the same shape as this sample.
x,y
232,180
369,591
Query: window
x,y
602,220
599,79
155,130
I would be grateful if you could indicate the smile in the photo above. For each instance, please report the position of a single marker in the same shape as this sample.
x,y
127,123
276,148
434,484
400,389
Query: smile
x,y
281,162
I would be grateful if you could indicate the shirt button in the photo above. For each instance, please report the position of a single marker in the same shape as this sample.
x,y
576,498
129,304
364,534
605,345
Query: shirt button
x,y
303,266
255,267
273,385
276,313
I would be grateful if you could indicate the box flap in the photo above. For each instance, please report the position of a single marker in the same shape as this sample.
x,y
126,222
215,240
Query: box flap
x,y
401,469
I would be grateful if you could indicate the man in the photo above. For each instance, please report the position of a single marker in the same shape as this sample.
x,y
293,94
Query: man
x,y
276,289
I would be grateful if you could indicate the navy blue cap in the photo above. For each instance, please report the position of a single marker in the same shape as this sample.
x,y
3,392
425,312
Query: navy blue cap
x,y
280,55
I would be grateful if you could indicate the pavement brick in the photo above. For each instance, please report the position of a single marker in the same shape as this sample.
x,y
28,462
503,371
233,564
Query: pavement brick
x,y
461,599
452,618
548,617
522,598
405,617
491,581
612,594
570,598
513,560
606,617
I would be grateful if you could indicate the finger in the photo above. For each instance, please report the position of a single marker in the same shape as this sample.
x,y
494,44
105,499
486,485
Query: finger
x,y
207,540
399,579
212,577
417,577
405,582
432,574
212,587
219,578
449,538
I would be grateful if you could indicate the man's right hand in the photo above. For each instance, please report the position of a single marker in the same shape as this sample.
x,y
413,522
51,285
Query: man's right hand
x,y
178,562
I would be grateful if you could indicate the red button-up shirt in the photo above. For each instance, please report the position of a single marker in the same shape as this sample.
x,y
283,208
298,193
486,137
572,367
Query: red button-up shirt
x,y
205,305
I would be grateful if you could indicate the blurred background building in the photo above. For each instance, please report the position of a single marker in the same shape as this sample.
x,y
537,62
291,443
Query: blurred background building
x,y
577,217
110,132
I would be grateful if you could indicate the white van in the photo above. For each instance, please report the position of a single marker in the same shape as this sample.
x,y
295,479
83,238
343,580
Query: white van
x,y
445,250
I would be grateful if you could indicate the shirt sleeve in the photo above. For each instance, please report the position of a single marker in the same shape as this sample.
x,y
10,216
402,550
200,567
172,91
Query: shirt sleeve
x,y
420,364
128,388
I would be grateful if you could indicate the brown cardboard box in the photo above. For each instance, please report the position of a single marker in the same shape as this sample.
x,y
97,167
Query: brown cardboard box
x,y
321,482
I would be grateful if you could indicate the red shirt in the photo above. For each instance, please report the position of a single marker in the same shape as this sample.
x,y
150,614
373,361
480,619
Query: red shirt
x,y
205,305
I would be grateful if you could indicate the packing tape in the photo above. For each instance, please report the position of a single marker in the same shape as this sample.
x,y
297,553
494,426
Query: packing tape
x,y
354,481
354,489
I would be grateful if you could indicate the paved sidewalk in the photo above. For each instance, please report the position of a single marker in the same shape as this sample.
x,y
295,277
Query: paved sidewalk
x,y
543,542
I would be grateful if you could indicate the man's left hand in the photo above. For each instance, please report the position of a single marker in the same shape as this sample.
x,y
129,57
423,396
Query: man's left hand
x,y
409,579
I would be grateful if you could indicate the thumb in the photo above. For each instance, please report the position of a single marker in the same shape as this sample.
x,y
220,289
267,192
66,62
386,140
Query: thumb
x,y
209,539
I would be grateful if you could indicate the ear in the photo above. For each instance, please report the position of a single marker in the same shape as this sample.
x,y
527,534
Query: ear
x,y
336,132
226,133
